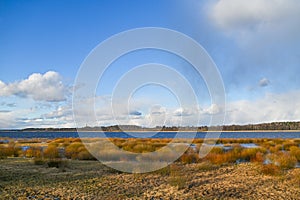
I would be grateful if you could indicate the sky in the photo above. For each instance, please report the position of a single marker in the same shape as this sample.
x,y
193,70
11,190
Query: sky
x,y
255,46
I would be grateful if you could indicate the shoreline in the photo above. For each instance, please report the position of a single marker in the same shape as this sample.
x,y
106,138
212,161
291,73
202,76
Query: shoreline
x,y
144,131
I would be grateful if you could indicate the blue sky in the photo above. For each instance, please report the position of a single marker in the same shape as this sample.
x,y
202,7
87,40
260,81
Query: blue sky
x,y
255,45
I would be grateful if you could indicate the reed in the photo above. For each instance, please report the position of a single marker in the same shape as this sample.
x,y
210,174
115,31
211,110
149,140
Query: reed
x,y
295,151
271,169
284,160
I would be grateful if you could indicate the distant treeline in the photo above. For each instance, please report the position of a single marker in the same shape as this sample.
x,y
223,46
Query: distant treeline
x,y
119,128
264,126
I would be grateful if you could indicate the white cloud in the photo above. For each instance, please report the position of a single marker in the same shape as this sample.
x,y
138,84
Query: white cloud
x,y
184,112
212,109
264,41
60,112
255,14
270,108
7,120
40,87
258,24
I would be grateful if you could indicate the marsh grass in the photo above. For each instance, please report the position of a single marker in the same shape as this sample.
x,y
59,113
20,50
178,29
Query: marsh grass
x,y
252,154
218,157
288,144
282,152
284,160
177,177
207,166
188,158
258,158
295,151
271,169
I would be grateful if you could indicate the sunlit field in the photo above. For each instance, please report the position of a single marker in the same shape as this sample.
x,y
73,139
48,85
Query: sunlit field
x,y
235,168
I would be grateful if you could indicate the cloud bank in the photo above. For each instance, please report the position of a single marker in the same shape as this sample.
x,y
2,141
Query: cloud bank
x,y
272,107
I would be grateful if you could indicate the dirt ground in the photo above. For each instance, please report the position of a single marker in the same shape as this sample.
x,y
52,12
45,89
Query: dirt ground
x,y
21,179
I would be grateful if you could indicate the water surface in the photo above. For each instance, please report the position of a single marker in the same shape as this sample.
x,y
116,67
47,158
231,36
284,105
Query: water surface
x,y
16,134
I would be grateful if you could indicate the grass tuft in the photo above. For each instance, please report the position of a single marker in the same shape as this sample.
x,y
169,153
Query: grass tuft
x,y
271,169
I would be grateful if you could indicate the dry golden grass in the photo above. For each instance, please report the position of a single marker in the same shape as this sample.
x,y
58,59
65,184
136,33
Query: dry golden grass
x,y
74,148
20,178
271,169
284,160
177,177
50,152
295,151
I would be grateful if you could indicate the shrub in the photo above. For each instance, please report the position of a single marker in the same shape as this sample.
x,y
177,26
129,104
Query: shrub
x,y
217,150
198,141
270,169
220,158
3,153
286,145
188,158
117,142
51,152
259,157
284,160
142,148
8,151
248,154
73,150
29,153
252,154
53,143
217,159
297,141
237,149
85,155
128,145
276,148
35,152
295,151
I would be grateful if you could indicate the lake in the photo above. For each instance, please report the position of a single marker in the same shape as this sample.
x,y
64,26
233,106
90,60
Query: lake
x,y
15,134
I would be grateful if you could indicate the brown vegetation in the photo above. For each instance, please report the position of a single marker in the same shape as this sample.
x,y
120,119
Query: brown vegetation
x,y
284,154
271,169
21,179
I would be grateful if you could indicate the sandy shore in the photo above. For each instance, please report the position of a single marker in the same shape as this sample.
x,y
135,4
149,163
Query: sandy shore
x,y
21,179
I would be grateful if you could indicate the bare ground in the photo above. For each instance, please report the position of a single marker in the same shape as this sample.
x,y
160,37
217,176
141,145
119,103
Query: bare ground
x,y
21,179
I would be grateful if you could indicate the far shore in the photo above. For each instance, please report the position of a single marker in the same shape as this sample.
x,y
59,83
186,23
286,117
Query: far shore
x,y
147,131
